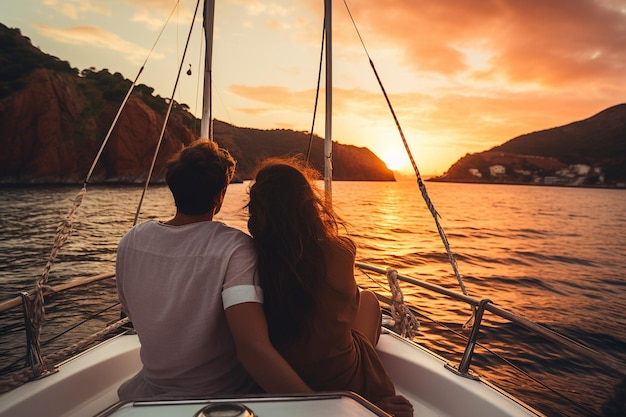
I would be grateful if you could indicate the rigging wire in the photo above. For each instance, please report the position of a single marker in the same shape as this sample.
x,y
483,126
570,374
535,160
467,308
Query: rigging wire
x,y
64,229
420,182
215,91
317,90
167,116
196,127
130,90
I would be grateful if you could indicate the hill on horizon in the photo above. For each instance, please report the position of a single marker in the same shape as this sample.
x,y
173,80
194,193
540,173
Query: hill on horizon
x,y
587,152
53,119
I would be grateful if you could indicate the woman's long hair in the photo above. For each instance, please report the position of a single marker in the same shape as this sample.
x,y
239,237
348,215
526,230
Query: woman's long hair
x,y
290,224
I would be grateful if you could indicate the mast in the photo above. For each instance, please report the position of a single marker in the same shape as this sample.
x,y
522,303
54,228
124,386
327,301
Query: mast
x,y
328,138
206,126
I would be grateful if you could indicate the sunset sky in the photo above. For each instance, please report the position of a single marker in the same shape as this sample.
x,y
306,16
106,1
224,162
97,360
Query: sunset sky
x,y
463,75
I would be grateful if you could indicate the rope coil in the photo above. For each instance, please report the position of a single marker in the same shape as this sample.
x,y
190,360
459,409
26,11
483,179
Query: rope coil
x,y
405,322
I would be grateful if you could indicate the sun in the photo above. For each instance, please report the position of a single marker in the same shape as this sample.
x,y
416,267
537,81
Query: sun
x,y
395,159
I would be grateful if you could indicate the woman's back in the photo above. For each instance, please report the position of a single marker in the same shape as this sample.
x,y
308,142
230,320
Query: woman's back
x,y
335,356
312,302
336,303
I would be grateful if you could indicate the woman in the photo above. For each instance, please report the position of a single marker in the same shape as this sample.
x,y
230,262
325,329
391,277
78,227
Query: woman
x,y
317,317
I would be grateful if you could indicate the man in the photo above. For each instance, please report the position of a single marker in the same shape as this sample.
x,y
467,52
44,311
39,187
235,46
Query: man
x,y
189,285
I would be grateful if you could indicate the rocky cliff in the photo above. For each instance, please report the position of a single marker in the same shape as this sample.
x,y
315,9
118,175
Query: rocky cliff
x,y
51,131
54,118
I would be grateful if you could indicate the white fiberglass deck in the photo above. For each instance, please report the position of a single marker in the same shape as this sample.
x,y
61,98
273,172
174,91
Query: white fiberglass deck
x,y
86,386
435,391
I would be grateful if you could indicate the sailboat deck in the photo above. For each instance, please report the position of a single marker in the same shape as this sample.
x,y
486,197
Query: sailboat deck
x,y
86,385
421,376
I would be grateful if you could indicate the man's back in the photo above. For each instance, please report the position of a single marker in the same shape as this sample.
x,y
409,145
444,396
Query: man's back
x,y
171,282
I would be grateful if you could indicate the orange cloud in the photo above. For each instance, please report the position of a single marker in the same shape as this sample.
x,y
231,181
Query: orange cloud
x,y
474,123
550,42
75,8
272,99
98,38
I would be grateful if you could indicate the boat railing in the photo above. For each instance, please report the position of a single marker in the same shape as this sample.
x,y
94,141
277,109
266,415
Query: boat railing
x,y
604,361
481,305
36,365
77,282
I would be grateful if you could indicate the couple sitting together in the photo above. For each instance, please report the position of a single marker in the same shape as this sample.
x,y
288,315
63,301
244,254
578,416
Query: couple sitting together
x,y
218,312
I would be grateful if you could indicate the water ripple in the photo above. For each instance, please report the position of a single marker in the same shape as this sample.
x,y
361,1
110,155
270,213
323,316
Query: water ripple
x,y
553,255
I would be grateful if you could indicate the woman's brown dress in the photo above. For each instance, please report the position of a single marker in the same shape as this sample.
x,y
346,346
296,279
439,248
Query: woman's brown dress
x,y
337,357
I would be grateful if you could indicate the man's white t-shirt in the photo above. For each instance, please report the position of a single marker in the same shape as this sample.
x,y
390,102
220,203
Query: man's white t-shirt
x,y
174,282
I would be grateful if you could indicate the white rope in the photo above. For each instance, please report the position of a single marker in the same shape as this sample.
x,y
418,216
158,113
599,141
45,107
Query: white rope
x,y
64,230
405,322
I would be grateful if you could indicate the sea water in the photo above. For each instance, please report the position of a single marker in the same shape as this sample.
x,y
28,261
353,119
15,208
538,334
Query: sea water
x,y
551,254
